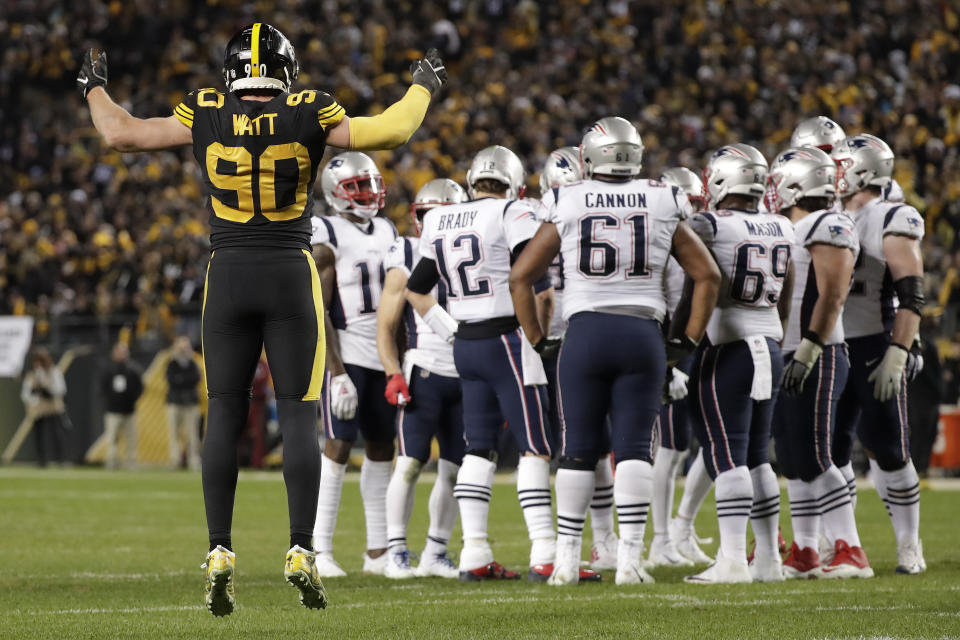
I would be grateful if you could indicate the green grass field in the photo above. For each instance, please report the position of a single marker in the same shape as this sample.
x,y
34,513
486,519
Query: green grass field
x,y
92,554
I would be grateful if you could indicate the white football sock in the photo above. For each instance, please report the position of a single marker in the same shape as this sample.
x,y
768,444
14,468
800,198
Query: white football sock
x,y
400,494
533,489
331,485
765,511
601,504
851,479
665,467
836,510
574,491
472,491
442,508
374,478
632,486
804,513
903,500
877,477
695,489
734,499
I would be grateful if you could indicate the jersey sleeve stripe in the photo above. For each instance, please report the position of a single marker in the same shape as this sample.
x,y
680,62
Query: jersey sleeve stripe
x,y
184,118
183,106
407,253
889,217
333,118
327,110
814,226
180,113
713,221
330,233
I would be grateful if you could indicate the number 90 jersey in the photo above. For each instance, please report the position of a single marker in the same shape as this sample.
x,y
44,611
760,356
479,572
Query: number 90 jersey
x,y
259,161
471,244
753,252
615,239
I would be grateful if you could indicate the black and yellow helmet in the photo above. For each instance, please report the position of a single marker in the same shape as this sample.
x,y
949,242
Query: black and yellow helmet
x,y
259,57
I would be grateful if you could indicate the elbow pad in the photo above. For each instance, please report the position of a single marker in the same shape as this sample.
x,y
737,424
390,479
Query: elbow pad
x,y
910,293
394,126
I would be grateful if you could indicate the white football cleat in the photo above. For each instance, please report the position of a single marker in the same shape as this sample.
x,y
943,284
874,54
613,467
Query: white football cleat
x,y
440,566
663,553
630,565
723,571
327,567
684,538
398,564
603,553
825,549
910,558
764,569
375,566
566,564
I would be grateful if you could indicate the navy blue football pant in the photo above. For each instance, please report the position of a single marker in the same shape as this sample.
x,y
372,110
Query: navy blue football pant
x,y
804,424
375,416
610,365
881,426
674,421
553,412
435,410
491,379
733,427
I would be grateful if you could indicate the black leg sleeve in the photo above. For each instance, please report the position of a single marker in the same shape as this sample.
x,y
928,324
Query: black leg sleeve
x,y
301,466
226,418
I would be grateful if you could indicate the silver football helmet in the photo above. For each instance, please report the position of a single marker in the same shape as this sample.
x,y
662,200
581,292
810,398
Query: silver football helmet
x,y
820,132
690,182
799,173
500,164
862,161
611,147
562,167
435,193
734,169
351,183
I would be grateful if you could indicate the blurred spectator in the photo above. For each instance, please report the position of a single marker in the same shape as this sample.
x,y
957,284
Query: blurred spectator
x,y
183,406
121,384
43,391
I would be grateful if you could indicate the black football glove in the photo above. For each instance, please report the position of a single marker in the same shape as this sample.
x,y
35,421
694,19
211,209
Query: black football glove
x,y
429,72
548,348
93,72
914,361
678,349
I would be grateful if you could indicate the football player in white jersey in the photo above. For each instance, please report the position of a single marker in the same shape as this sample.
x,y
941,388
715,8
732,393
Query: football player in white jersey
x,y
801,186
426,388
880,321
675,543
733,382
349,249
616,233
471,246
563,167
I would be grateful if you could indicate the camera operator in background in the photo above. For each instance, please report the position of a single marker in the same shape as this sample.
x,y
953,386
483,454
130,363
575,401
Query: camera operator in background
x,y
121,385
183,405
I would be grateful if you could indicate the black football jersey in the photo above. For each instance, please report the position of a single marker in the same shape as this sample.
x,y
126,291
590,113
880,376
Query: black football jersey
x,y
259,162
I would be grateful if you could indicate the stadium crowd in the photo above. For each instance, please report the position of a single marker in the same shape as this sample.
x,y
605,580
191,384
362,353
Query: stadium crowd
x,y
89,232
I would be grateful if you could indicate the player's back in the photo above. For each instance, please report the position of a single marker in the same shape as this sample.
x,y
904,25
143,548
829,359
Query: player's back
x,y
615,239
753,252
259,160
871,305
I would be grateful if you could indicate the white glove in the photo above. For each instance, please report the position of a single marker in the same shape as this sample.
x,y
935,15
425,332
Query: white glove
x,y
343,397
888,376
441,323
676,386
797,370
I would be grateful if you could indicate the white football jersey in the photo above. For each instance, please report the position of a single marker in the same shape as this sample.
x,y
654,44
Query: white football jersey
x,y
425,349
558,326
673,278
893,192
615,239
821,227
471,244
753,252
872,302
359,251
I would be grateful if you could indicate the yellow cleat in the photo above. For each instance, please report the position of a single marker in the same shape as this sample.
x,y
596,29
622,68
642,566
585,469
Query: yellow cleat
x,y
219,584
300,571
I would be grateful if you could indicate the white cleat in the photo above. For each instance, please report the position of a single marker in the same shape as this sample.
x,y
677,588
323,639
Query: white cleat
x,y
684,538
663,553
398,564
630,565
764,569
327,567
375,566
566,564
603,553
910,558
723,571
439,566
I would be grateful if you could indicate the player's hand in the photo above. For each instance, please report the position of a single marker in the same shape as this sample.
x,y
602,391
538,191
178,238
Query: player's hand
x,y
914,362
888,376
548,347
797,370
93,72
429,72
397,393
676,386
343,397
678,349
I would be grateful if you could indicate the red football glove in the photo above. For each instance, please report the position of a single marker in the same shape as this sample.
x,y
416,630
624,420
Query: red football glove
x,y
397,392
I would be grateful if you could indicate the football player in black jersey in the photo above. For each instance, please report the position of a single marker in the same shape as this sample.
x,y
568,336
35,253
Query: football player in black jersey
x,y
259,146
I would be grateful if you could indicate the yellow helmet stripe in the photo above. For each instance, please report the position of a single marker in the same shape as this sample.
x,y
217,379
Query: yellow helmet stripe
x,y
255,51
